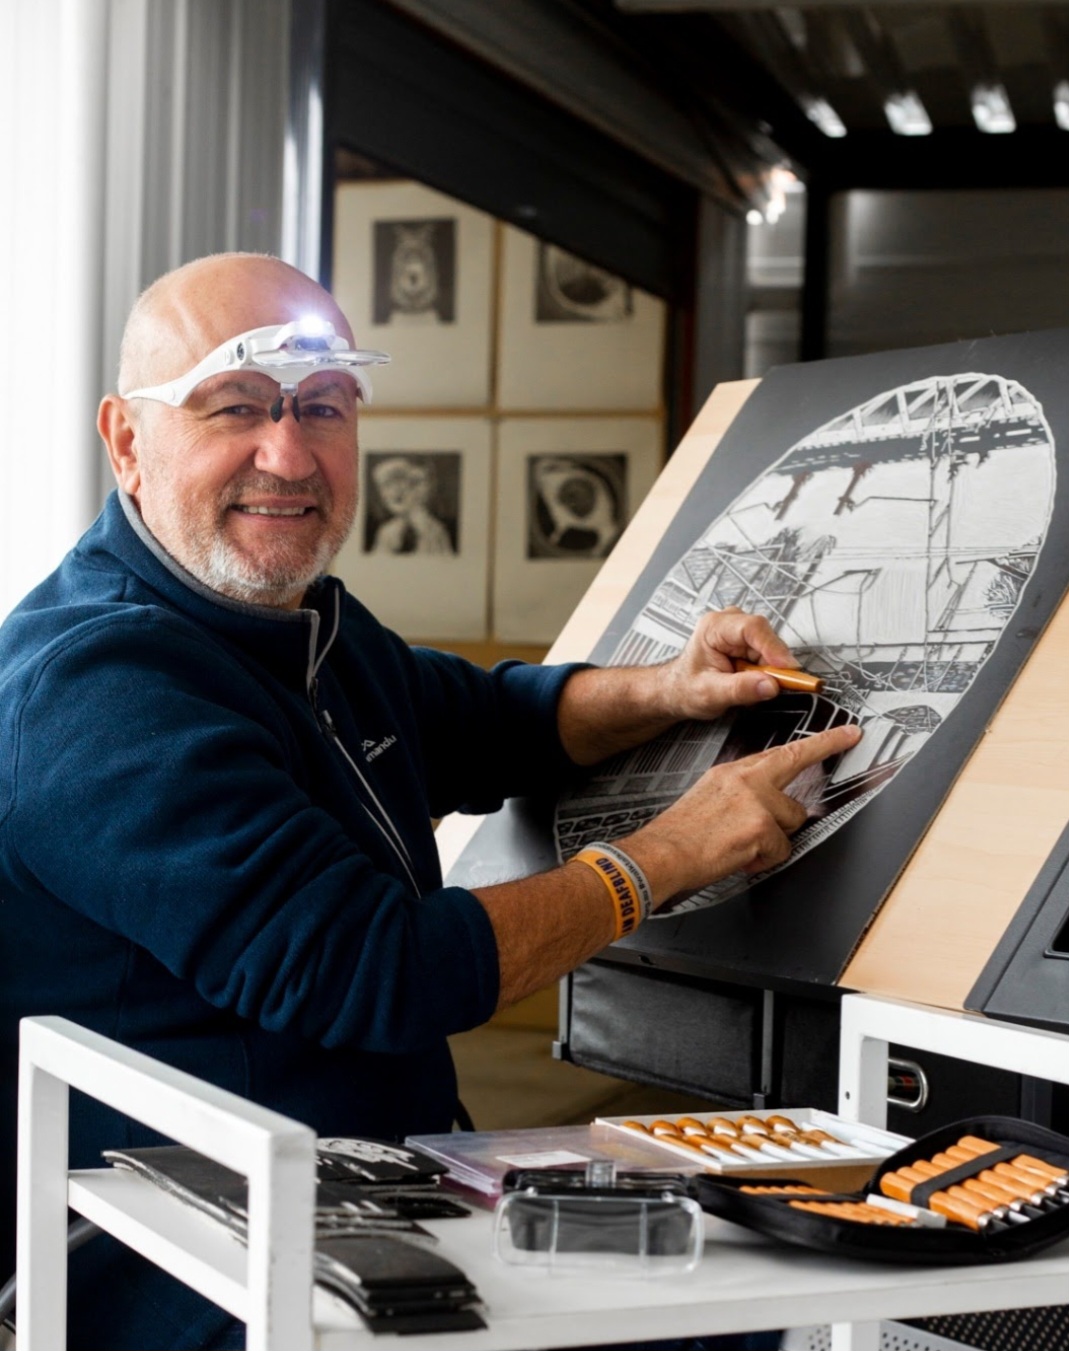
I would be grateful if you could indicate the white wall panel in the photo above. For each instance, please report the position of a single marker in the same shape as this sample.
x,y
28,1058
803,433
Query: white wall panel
x,y
140,134
52,81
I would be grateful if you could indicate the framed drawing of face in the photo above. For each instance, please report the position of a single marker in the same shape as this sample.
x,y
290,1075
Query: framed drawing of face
x,y
418,554
413,273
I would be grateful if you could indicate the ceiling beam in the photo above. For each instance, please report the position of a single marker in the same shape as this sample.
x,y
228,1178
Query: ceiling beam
x,y
955,158
556,51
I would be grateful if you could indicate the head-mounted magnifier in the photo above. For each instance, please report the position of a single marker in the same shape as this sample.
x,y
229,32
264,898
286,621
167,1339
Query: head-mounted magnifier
x,y
288,353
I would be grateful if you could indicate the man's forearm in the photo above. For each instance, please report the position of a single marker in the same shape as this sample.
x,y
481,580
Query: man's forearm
x,y
605,711
545,926
737,817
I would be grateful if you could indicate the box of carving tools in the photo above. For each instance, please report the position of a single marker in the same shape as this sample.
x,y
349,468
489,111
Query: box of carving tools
x,y
799,1142
985,1189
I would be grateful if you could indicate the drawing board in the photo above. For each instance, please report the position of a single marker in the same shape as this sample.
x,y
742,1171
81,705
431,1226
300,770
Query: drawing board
x,y
899,518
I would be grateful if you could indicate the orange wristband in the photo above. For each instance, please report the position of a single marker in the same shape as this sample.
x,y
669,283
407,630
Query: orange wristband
x,y
623,888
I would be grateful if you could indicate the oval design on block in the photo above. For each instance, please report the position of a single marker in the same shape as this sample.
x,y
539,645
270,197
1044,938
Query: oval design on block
x,y
890,549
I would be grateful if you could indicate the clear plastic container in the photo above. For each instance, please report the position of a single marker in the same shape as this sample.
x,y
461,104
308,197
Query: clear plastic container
x,y
595,1221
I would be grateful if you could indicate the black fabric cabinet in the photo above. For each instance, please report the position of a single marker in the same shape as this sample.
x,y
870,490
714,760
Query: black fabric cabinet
x,y
747,1047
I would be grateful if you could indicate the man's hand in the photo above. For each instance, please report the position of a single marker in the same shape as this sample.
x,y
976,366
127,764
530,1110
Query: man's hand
x,y
738,817
610,709
702,682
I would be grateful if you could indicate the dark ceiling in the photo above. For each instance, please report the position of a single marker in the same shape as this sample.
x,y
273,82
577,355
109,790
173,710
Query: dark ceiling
x,y
716,92
844,70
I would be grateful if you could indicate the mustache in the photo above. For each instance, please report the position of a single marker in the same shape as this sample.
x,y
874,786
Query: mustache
x,y
271,486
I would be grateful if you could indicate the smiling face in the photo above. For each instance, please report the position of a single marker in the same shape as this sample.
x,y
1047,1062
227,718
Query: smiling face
x,y
403,485
253,508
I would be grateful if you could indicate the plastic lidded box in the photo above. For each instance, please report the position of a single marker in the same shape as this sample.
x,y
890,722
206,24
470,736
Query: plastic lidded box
x,y
598,1218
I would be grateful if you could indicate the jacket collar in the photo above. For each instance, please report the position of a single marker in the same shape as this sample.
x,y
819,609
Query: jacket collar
x,y
299,639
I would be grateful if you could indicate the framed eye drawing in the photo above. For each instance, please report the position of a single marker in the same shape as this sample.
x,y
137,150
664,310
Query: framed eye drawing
x,y
566,488
573,336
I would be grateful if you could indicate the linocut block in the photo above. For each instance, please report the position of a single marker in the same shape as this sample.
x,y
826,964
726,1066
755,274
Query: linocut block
x,y
899,520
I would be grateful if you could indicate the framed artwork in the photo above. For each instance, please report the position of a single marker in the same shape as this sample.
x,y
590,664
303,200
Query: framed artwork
x,y
413,273
902,520
418,554
566,487
573,336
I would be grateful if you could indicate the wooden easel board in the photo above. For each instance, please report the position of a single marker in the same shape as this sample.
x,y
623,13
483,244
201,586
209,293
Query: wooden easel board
x,y
1004,794
974,866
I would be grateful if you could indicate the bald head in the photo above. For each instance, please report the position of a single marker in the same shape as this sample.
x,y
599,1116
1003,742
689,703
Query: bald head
x,y
187,313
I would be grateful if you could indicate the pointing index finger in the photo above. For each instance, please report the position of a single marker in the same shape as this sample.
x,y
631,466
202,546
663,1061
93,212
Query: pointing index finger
x,y
787,762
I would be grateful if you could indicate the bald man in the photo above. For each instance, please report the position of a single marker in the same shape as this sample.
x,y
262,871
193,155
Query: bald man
x,y
215,839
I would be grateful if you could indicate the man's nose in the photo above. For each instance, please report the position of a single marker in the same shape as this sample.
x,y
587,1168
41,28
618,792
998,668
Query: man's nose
x,y
282,449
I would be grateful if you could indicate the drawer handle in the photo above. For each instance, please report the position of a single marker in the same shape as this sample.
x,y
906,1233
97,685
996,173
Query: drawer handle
x,y
907,1085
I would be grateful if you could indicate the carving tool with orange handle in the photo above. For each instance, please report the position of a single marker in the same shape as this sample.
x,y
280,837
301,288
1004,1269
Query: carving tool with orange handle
x,y
1054,1179
857,1211
1021,1186
721,1128
1033,1185
1003,1205
786,677
1059,1176
796,1189
960,1208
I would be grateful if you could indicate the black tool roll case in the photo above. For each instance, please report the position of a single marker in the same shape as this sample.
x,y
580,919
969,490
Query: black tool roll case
x,y
999,1186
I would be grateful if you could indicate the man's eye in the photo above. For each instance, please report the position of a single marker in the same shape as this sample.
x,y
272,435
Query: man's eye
x,y
236,410
320,410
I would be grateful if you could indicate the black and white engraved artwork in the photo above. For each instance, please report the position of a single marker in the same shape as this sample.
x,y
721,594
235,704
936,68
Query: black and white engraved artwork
x,y
890,547
570,290
576,504
412,502
415,265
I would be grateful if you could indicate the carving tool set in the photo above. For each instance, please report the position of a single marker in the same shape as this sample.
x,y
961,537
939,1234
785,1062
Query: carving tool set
x,y
753,1142
986,1189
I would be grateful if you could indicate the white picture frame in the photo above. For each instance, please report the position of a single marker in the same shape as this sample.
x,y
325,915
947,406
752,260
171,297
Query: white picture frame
x,y
571,336
413,273
419,552
566,488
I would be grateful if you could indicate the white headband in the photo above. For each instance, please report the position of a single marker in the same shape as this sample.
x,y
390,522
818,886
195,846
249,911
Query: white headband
x,y
288,353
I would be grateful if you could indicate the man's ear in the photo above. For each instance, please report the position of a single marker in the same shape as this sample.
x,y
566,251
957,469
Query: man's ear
x,y
119,432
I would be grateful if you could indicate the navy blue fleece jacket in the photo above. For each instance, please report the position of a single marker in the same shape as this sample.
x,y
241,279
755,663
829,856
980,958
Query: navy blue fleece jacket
x,y
216,845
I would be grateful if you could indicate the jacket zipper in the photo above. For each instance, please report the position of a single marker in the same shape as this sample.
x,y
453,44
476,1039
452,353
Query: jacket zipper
x,y
381,819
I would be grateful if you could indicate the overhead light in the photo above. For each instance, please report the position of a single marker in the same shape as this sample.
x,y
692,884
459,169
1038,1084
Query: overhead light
x,y
1061,104
786,180
991,109
823,115
906,115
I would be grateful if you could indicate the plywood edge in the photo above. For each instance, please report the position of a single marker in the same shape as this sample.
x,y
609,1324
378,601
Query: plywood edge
x,y
963,884
624,565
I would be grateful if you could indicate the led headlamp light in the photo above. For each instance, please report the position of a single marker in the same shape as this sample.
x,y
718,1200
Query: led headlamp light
x,y
288,353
